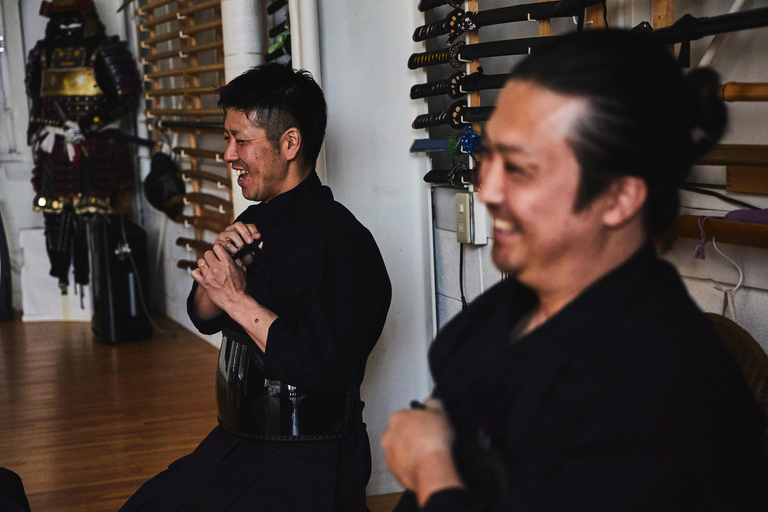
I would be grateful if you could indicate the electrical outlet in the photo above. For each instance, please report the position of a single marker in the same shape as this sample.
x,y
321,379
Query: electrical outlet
x,y
464,226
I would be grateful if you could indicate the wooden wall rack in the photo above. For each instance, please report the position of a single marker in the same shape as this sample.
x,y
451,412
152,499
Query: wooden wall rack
x,y
739,233
183,57
726,231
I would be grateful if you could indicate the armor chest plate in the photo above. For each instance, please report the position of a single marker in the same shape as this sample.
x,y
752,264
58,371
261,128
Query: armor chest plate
x,y
68,74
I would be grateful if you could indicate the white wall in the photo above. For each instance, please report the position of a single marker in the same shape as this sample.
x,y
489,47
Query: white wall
x,y
365,48
16,193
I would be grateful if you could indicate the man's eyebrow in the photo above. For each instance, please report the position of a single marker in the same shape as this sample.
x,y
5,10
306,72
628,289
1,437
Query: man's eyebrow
x,y
508,148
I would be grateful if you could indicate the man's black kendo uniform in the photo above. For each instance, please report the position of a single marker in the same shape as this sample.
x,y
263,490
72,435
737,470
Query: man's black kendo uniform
x,y
625,400
80,76
291,435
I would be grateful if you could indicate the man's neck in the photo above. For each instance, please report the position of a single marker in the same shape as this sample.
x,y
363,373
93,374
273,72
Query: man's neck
x,y
575,275
296,175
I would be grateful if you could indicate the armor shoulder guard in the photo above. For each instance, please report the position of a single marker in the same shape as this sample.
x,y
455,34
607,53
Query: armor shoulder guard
x,y
33,71
115,69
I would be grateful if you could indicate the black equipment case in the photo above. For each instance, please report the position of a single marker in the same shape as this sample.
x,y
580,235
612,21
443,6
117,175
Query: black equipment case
x,y
120,278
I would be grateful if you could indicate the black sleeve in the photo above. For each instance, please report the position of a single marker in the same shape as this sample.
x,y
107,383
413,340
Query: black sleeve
x,y
449,500
347,307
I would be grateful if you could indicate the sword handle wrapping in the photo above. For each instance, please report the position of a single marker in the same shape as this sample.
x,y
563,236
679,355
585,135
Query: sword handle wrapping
x,y
430,89
438,28
444,56
430,30
451,116
427,120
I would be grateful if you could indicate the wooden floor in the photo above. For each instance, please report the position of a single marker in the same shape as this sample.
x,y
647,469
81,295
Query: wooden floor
x,y
85,424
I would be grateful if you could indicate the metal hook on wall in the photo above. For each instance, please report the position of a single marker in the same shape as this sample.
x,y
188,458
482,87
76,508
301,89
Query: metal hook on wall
x,y
729,298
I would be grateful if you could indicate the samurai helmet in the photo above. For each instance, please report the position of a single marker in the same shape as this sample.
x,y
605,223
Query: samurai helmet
x,y
75,18
65,6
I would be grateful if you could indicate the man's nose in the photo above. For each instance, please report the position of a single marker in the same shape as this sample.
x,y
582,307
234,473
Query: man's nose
x,y
230,153
490,190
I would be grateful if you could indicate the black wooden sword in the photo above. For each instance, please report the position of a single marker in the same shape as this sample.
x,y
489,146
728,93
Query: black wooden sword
x,y
686,29
457,116
459,176
459,84
461,53
689,28
425,5
459,21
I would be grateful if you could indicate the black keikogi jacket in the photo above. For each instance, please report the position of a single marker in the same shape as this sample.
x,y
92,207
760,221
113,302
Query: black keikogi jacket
x,y
323,275
321,272
624,400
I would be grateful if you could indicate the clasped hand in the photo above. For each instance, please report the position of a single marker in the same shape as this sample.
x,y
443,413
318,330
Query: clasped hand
x,y
218,274
417,447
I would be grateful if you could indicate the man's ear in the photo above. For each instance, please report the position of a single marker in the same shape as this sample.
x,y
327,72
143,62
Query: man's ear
x,y
290,143
625,199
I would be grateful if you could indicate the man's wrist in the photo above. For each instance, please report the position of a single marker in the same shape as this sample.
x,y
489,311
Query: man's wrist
x,y
434,474
204,307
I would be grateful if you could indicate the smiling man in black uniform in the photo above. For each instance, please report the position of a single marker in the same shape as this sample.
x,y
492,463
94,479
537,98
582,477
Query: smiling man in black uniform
x,y
589,380
300,308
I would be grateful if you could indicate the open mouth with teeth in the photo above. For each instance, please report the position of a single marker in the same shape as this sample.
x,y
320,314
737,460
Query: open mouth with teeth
x,y
240,175
503,225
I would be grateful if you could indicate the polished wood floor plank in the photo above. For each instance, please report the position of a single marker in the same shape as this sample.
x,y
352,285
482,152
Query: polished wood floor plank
x,y
383,502
85,424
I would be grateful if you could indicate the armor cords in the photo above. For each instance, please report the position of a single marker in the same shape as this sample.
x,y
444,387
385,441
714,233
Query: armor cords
x,y
261,408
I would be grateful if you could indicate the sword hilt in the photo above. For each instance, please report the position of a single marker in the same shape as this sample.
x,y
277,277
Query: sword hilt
x,y
46,121
438,28
450,116
435,88
444,56
477,82
458,176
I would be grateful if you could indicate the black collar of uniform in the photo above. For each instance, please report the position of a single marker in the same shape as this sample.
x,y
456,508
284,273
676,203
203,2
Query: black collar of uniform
x,y
608,295
267,215
562,334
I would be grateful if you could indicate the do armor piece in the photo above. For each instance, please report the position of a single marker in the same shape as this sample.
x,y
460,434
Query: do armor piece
x,y
260,408
78,81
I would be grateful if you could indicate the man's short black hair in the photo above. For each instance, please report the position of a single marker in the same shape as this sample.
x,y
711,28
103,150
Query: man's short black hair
x,y
275,97
645,118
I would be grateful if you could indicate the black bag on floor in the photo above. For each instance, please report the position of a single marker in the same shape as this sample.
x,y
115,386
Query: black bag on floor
x,y
6,292
12,495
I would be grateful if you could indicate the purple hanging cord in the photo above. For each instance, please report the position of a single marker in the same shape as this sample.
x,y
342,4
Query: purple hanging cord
x,y
699,252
